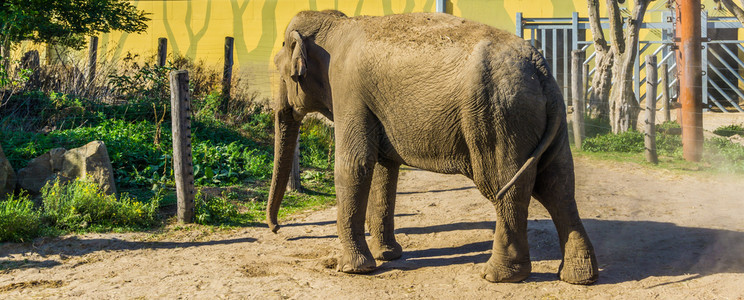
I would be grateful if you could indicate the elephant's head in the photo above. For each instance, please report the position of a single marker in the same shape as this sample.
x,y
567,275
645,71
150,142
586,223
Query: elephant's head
x,y
303,88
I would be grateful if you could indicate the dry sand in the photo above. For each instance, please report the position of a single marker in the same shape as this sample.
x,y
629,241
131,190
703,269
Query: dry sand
x,y
658,234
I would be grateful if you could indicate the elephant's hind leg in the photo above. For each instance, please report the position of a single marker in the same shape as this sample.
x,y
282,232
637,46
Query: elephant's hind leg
x,y
381,211
554,188
510,258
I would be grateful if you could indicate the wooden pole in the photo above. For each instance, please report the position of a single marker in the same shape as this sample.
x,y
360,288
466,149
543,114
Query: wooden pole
x,y
690,90
666,117
650,136
577,90
92,57
182,162
294,183
227,73
162,51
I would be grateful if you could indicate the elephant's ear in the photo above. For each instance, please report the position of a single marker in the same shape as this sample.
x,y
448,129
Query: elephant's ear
x,y
299,56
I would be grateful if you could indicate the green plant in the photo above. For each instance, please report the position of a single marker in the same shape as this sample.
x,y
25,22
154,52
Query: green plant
x,y
316,144
19,222
724,155
215,210
630,141
65,22
730,130
81,205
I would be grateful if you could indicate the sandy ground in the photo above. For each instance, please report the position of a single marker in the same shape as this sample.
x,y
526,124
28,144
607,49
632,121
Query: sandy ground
x,y
658,234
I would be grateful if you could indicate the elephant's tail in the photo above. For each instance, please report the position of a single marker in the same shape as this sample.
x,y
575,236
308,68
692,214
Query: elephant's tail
x,y
551,89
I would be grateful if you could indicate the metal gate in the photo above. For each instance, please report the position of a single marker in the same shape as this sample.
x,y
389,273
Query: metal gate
x,y
722,65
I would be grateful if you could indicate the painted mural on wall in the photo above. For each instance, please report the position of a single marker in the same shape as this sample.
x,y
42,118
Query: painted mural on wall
x,y
197,28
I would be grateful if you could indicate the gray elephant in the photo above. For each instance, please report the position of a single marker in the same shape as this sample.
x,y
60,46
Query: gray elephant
x,y
439,93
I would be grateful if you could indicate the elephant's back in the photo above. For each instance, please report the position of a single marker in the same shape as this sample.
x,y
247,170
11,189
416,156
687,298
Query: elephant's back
x,y
435,30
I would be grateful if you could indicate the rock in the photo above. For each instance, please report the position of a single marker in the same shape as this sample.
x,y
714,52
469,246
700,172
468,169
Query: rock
x,y
7,176
36,174
89,162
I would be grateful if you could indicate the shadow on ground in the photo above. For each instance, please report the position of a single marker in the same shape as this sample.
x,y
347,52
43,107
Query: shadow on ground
x,y
626,250
75,246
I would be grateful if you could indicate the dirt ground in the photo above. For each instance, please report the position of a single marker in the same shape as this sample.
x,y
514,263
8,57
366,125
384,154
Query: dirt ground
x,y
658,234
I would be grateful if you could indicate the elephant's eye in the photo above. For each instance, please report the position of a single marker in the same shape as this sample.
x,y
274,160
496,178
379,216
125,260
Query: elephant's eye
x,y
282,44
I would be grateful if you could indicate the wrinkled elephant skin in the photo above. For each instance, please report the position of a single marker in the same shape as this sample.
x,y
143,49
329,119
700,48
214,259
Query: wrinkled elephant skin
x,y
439,93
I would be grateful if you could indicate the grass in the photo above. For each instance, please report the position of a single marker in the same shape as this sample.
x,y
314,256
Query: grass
x,y
131,116
720,155
19,222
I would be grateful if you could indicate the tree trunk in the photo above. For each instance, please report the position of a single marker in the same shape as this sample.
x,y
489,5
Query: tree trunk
x,y
601,81
623,106
599,99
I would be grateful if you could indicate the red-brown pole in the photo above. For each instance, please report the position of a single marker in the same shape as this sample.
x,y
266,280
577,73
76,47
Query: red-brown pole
x,y
690,78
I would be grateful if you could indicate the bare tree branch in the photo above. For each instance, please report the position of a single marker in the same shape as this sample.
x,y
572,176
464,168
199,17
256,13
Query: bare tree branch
x,y
733,8
616,27
596,25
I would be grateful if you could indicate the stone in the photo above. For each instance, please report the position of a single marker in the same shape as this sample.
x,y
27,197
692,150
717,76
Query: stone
x,y
90,162
7,176
36,174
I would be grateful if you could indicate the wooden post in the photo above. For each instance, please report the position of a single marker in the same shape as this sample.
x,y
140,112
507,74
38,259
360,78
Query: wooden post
x,y
92,57
294,183
182,164
31,61
162,51
691,78
650,136
578,97
227,74
664,72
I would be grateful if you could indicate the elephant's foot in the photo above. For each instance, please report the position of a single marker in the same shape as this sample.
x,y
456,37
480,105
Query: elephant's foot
x,y
356,263
579,267
495,271
385,251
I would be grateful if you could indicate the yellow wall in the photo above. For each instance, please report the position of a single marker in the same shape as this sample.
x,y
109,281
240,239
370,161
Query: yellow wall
x,y
197,28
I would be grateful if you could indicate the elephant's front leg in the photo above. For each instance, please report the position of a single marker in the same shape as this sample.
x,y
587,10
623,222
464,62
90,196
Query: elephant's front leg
x,y
381,211
355,159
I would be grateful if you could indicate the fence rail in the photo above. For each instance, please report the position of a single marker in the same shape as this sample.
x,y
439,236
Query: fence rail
x,y
723,82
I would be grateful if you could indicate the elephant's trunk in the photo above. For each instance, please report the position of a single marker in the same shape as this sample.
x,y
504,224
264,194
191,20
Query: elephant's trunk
x,y
285,140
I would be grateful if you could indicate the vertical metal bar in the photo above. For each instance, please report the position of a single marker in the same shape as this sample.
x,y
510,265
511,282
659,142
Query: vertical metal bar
x,y
542,44
520,25
690,89
637,75
441,6
575,31
555,52
532,38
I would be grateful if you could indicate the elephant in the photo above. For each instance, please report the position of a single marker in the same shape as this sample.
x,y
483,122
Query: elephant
x,y
439,93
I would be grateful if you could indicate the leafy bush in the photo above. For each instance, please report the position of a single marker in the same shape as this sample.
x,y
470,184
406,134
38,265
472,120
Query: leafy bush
x,y
80,205
316,144
630,141
724,154
668,126
729,130
215,210
19,222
